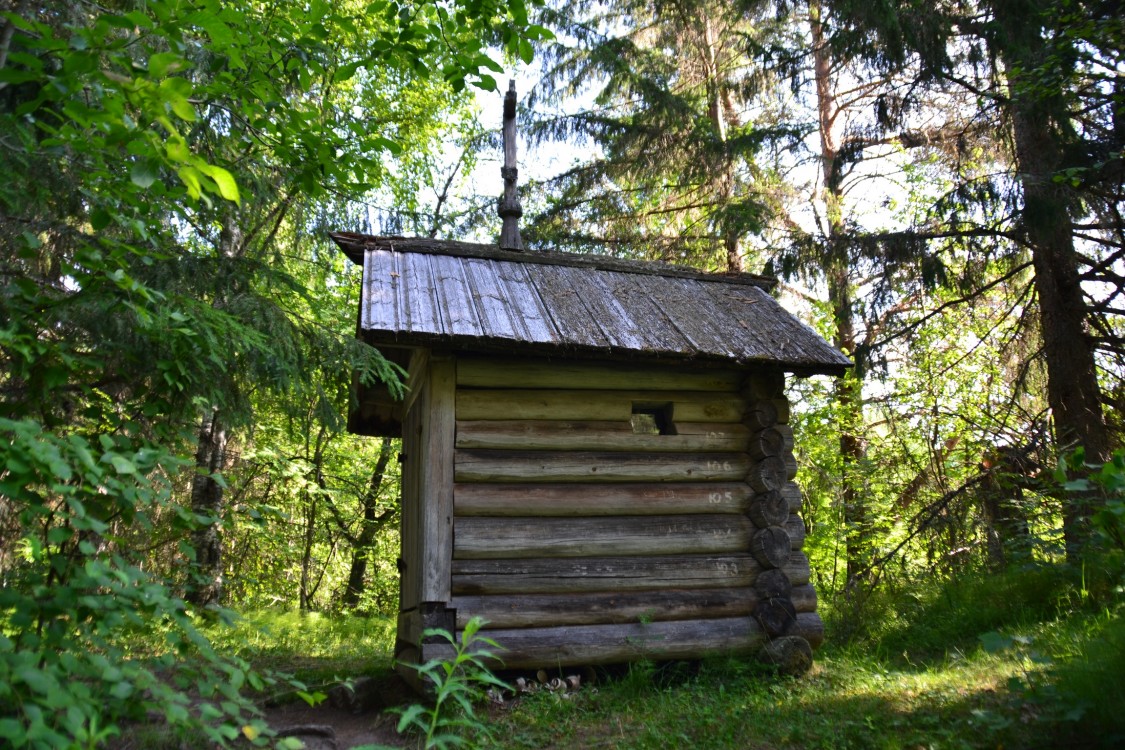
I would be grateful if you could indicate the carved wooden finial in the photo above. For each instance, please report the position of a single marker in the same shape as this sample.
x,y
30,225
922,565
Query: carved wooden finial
x,y
509,209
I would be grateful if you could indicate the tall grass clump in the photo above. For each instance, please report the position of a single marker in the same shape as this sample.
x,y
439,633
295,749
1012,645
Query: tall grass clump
x,y
1090,685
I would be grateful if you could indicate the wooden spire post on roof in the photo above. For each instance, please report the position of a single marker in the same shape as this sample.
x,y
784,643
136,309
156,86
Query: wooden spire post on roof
x,y
510,210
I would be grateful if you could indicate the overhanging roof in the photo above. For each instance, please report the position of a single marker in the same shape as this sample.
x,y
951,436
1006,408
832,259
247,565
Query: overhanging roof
x,y
465,296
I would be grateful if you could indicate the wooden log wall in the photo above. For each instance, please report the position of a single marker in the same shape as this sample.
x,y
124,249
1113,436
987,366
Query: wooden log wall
x,y
581,541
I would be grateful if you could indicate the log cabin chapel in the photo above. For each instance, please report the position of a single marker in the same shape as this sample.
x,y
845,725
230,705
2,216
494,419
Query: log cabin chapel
x,y
595,455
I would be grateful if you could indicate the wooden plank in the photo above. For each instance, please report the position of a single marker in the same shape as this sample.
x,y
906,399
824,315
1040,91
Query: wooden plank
x,y
547,610
575,500
604,644
588,574
437,481
580,466
492,538
496,372
417,300
410,530
594,405
595,435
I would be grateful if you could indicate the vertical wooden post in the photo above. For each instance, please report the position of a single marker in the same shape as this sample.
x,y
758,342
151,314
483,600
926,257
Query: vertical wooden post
x,y
509,209
437,511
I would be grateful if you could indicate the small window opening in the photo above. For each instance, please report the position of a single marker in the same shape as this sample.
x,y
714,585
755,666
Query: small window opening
x,y
652,419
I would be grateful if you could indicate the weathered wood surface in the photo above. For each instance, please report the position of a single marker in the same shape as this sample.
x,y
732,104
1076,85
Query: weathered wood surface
x,y
772,441
792,492
581,466
437,482
776,615
763,414
492,538
791,655
773,583
771,547
769,508
495,372
594,405
410,580
589,574
767,474
795,527
545,610
604,644
355,245
570,645
764,384
559,435
574,500
811,628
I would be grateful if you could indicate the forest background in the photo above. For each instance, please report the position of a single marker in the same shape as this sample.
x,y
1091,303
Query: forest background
x,y
938,185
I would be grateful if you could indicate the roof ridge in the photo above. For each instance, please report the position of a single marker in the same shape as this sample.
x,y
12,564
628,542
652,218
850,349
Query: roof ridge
x,y
353,244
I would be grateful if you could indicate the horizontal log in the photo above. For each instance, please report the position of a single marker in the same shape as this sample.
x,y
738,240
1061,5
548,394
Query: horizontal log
x,y
776,615
762,414
492,538
771,584
803,598
795,527
790,462
771,547
570,645
579,405
767,474
811,628
764,385
769,508
578,466
792,492
519,373
612,574
560,435
547,610
772,441
575,500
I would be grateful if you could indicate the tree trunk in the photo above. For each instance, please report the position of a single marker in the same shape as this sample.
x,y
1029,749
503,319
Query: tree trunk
x,y
305,595
1045,225
206,584
372,523
849,390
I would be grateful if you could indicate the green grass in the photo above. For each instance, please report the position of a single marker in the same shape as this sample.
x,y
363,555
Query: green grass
x,y
915,676
312,647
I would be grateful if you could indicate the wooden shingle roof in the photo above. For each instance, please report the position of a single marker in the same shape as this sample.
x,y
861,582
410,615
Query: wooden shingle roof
x,y
465,296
